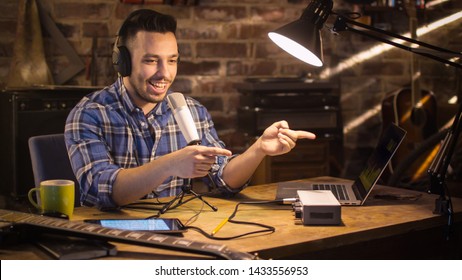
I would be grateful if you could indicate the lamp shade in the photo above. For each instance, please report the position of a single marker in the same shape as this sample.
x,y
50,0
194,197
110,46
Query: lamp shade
x,y
302,38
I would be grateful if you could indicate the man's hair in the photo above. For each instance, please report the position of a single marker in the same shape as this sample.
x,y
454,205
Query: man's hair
x,y
145,20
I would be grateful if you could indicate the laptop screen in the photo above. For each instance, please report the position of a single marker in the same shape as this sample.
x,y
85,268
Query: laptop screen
x,y
378,160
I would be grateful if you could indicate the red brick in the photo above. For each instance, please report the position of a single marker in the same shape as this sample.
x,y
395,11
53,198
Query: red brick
x,y
179,12
183,85
271,14
249,31
9,9
198,32
222,13
212,85
67,30
95,29
199,68
380,68
207,50
83,10
259,68
185,50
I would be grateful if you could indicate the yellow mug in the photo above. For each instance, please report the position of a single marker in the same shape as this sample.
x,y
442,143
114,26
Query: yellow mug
x,y
55,197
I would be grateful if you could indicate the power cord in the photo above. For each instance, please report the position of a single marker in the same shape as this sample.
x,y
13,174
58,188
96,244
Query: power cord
x,y
266,228
230,219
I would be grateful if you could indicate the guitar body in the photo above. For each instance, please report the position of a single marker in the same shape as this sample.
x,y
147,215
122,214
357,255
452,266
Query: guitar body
x,y
414,110
419,120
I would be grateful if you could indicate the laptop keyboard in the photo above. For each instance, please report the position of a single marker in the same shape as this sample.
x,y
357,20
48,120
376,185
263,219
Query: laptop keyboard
x,y
338,190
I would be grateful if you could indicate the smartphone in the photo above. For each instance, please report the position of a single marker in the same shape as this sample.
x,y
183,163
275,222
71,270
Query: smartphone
x,y
158,225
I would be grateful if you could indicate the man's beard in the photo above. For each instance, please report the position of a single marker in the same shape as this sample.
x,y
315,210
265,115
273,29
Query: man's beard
x,y
144,95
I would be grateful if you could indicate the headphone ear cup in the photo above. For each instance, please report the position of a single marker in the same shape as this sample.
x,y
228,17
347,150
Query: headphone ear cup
x,y
121,60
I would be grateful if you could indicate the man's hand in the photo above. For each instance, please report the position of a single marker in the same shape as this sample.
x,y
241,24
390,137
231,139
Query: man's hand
x,y
195,161
279,139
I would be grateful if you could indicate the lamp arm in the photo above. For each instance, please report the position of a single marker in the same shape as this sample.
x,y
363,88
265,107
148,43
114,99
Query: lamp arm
x,y
343,23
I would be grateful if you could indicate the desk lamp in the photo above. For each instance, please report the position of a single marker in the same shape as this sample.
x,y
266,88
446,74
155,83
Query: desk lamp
x,y
302,39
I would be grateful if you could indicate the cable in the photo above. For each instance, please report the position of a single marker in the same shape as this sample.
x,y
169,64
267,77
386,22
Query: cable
x,y
194,217
266,228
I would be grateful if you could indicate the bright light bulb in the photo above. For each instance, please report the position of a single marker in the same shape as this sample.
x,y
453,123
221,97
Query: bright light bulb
x,y
295,49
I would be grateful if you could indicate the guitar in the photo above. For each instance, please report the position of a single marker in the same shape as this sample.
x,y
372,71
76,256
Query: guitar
x,y
414,110
13,220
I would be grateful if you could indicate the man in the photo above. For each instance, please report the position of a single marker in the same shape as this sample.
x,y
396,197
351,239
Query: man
x,y
123,141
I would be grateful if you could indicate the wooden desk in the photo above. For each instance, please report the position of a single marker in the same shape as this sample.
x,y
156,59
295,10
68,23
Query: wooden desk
x,y
381,229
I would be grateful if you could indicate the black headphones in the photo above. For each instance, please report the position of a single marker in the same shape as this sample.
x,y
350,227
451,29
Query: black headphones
x,y
120,54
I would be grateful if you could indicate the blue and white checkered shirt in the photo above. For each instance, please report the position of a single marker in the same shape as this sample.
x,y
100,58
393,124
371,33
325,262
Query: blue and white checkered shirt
x,y
106,132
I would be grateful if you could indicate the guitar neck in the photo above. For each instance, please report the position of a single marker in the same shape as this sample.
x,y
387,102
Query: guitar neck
x,y
141,238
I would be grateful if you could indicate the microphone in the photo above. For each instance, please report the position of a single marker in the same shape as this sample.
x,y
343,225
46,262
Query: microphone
x,y
183,117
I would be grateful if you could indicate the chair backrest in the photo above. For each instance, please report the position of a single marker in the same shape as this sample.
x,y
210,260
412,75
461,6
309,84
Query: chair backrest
x,y
50,160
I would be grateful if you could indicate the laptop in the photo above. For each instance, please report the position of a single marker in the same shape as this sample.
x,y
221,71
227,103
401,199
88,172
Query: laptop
x,y
354,193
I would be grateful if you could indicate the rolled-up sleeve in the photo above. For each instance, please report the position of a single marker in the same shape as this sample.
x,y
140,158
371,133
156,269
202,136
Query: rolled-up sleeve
x,y
90,157
217,176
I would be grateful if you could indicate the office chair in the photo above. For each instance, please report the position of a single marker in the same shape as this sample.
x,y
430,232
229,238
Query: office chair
x,y
50,160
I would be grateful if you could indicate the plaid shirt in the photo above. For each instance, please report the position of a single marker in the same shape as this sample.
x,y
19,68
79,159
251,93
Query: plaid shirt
x,y
106,132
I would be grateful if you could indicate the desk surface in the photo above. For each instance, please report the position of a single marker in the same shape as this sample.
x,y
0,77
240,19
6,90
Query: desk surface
x,y
403,212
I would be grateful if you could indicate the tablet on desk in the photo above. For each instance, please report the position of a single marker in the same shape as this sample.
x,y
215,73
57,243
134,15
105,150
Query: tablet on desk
x,y
157,225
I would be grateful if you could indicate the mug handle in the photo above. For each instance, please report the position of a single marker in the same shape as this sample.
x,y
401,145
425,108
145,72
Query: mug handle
x,y
31,199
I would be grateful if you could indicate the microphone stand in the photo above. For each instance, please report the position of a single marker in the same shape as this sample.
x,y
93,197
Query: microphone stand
x,y
186,189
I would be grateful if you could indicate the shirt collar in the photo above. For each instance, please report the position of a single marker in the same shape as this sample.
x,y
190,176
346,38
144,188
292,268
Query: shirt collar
x,y
125,97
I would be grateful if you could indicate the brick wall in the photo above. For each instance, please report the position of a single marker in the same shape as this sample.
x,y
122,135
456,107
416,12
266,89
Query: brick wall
x,y
224,41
